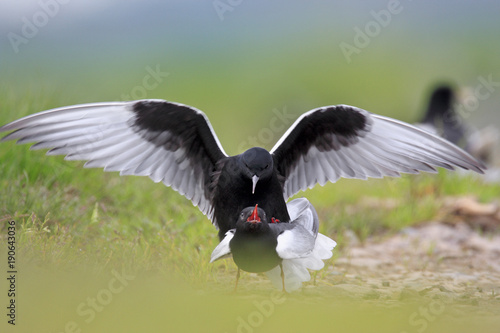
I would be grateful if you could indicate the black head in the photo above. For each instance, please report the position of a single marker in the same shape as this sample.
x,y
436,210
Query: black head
x,y
257,164
440,103
252,218
442,115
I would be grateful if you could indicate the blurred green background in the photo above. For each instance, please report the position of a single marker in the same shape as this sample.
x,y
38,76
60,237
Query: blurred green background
x,y
238,62
243,63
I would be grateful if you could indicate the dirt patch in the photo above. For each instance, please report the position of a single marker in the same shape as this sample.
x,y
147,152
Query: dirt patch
x,y
454,261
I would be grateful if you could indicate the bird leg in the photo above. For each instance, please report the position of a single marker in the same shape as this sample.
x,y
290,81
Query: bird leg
x,y
237,278
282,278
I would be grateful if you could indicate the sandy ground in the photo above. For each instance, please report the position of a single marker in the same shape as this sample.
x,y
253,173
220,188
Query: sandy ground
x,y
456,260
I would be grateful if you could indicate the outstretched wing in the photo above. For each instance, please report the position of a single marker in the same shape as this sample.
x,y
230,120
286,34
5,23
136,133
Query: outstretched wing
x,y
168,142
327,143
302,212
297,238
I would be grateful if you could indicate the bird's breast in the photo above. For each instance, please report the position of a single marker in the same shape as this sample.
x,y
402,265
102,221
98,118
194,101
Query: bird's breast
x,y
255,254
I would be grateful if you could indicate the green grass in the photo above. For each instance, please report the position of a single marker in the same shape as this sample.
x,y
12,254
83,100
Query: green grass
x,y
76,226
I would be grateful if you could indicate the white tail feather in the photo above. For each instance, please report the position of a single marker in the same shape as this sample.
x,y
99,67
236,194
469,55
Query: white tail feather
x,y
297,270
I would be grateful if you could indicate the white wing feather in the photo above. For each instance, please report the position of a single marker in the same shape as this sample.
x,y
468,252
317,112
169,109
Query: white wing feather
x,y
302,248
222,250
297,270
102,134
387,147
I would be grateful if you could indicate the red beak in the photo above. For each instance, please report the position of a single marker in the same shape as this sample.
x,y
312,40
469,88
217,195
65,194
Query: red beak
x,y
254,218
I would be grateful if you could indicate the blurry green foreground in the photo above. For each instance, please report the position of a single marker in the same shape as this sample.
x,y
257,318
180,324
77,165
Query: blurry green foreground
x,y
56,300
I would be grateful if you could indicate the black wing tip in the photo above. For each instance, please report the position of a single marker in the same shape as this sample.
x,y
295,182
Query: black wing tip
x,y
469,162
471,165
477,165
480,168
